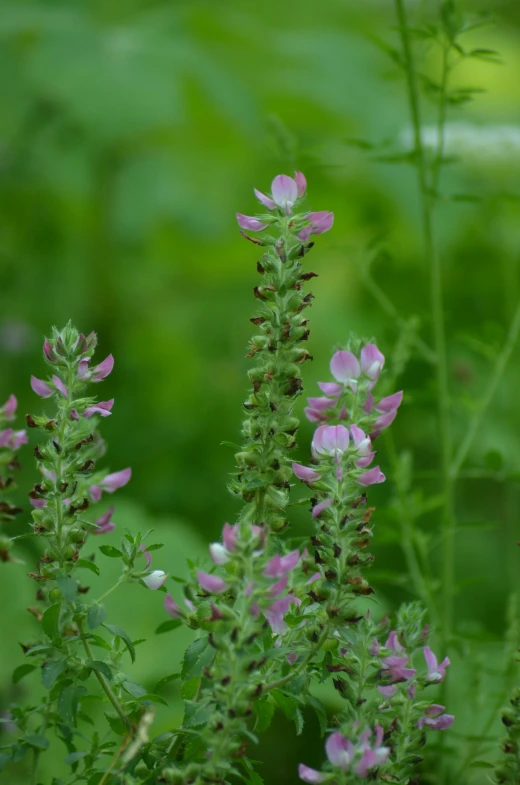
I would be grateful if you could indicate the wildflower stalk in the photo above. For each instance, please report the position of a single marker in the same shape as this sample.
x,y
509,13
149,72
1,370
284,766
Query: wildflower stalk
x,y
428,194
10,443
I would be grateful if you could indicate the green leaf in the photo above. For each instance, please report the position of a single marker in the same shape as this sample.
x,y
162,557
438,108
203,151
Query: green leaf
x,y
321,712
134,689
68,586
494,460
38,742
50,621
96,615
167,626
116,724
100,667
254,779
74,757
21,671
51,671
190,687
264,710
88,565
166,680
196,714
155,547
198,655
68,702
298,721
120,633
286,703
110,551
481,764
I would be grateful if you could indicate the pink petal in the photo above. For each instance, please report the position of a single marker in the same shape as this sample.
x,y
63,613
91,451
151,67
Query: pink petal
x,y
248,222
331,388
284,191
83,369
292,657
265,200
301,183
321,403
102,370
9,408
278,587
372,360
103,408
104,523
116,480
388,692
309,775
372,476
393,644
313,415
5,437
344,366
47,350
60,386
315,577
171,607
338,750
95,493
305,473
211,583
321,221
390,403
318,508
385,420
229,537
38,503
40,388
304,234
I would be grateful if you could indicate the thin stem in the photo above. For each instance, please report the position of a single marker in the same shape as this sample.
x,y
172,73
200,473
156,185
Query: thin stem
x,y
422,347
437,312
102,680
498,372
112,589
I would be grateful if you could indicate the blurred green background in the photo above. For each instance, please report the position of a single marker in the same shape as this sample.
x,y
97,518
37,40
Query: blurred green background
x,y
130,134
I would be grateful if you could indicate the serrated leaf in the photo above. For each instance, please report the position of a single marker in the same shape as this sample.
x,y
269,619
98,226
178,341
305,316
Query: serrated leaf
x,y
100,667
168,625
264,710
68,701
196,714
96,615
286,703
198,655
50,621
38,742
88,565
166,680
116,724
51,671
190,687
21,671
120,633
110,551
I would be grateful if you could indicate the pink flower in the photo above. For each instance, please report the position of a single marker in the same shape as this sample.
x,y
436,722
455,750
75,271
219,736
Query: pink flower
x,y
340,751
393,644
102,370
103,408
373,756
395,668
292,657
371,477
12,439
116,480
389,691
309,775
155,579
47,350
8,410
229,537
372,361
320,404
60,386
278,587
171,607
83,369
362,442
318,508
305,473
301,183
314,415
281,565
211,583
105,523
436,671
284,191
434,719
38,503
41,388
250,223
330,440
345,368
275,613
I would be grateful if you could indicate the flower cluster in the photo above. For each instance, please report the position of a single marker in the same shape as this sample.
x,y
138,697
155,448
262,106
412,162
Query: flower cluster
x,y
359,756
10,442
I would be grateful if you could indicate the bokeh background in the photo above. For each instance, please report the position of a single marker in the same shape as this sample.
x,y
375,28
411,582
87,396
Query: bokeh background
x,y
130,134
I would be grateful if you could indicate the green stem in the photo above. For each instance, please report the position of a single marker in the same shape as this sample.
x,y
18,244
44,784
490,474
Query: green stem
x,y
102,680
498,372
112,589
437,312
